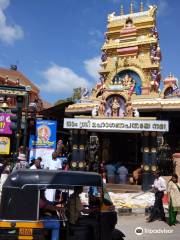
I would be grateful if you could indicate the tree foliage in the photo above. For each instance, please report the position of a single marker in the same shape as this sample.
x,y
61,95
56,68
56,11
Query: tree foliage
x,y
76,95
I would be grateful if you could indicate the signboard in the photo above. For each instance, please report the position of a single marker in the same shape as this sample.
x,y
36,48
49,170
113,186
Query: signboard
x,y
5,123
4,145
12,92
43,143
116,125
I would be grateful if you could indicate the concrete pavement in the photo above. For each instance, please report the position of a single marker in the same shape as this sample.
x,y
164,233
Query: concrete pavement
x,y
135,227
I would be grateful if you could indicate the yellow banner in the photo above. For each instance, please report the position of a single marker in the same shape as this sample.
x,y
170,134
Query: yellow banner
x,y
4,145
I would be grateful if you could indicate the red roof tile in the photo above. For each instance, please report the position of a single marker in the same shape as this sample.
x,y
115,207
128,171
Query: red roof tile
x,y
13,75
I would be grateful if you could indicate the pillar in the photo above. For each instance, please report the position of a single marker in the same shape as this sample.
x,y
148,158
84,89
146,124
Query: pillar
x,y
78,161
149,153
94,153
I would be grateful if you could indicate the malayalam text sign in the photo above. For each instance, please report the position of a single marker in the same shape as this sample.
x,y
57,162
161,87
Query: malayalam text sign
x,y
119,125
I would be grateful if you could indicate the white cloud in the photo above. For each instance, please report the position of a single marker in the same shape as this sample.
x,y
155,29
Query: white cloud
x,y
163,7
62,80
8,34
92,67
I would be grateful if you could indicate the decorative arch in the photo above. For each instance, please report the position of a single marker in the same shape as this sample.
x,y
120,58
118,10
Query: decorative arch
x,y
127,80
135,69
170,90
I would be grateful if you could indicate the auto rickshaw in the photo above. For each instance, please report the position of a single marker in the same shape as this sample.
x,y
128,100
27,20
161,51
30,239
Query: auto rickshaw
x,y
20,217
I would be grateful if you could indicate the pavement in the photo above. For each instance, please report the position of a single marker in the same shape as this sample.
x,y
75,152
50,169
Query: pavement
x,y
135,227
135,203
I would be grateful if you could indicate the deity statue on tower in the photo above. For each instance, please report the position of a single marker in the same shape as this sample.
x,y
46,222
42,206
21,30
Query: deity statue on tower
x,y
104,56
101,85
101,111
155,53
115,107
155,76
129,109
129,83
84,92
154,32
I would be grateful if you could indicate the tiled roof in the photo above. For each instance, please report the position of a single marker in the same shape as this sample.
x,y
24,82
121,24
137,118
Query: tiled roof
x,y
13,75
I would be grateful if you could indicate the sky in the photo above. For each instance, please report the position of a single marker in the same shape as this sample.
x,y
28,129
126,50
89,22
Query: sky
x,y
57,43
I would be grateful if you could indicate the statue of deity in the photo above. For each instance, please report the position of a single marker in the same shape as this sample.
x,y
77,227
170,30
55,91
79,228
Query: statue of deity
x,y
84,93
126,80
104,56
129,83
155,76
155,53
154,32
115,107
101,111
129,110
101,85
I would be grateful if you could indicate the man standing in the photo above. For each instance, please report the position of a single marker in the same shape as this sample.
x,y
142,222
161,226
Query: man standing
x,y
21,162
122,174
159,187
53,164
37,164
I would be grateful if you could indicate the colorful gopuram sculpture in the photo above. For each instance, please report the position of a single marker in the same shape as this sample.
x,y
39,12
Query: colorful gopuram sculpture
x,y
130,73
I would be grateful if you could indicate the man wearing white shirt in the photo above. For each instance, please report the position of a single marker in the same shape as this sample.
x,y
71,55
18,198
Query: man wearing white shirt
x,y
36,165
159,187
53,164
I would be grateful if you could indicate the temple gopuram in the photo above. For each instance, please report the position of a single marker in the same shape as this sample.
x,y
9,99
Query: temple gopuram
x,y
131,116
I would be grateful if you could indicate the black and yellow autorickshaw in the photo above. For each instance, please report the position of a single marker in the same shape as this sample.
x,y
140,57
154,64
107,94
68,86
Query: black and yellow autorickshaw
x,y
19,209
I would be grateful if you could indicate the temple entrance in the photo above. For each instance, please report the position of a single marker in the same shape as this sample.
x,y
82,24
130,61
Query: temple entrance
x,y
122,149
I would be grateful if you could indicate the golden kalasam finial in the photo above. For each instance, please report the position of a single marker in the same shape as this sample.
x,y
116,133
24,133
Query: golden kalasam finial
x,y
131,7
121,10
141,6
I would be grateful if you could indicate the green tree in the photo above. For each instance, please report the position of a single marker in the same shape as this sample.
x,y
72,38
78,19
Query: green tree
x,y
76,94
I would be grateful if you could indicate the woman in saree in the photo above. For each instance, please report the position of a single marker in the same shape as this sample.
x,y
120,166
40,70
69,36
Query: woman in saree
x,y
174,198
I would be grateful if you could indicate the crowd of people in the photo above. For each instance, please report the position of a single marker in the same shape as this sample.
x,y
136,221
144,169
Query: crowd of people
x,y
119,173
113,173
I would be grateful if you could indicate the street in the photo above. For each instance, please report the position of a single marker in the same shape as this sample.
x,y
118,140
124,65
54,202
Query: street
x,y
156,230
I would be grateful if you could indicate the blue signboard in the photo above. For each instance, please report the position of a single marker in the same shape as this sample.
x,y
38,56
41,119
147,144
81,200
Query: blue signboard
x,y
46,134
44,142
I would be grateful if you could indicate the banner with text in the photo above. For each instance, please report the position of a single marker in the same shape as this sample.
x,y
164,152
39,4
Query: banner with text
x,y
43,143
4,145
116,125
5,123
